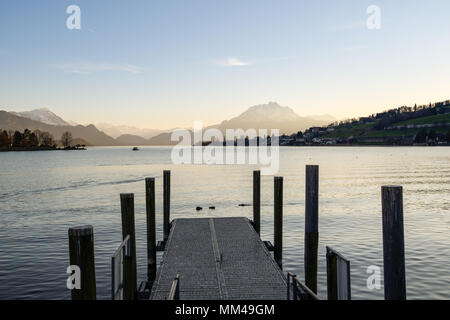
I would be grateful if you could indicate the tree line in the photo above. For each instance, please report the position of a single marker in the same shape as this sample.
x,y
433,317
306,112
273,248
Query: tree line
x,y
431,136
403,113
37,139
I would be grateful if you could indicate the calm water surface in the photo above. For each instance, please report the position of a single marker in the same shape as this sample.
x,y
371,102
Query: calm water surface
x,y
42,194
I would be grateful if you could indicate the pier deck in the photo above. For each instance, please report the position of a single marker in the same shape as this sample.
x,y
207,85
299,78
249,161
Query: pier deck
x,y
217,259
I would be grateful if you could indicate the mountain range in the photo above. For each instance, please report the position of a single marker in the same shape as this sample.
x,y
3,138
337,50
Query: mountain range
x,y
117,131
90,134
265,116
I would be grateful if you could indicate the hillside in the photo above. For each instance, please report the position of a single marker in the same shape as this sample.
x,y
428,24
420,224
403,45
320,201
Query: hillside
x,y
90,134
131,140
265,116
404,125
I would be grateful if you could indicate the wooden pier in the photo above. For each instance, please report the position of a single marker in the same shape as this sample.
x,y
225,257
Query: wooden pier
x,y
218,258
224,258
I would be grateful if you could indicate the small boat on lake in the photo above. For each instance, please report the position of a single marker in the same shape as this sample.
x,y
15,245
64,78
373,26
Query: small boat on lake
x,y
135,149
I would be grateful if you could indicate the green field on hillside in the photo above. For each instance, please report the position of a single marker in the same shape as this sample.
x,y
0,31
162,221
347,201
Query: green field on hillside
x,y
351,130
367,129
428,120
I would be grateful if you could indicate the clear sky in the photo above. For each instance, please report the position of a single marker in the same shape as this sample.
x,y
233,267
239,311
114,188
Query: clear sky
x,y
166,63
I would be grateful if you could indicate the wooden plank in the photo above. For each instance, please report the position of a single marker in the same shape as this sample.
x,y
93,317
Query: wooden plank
x,y
218,258
189,253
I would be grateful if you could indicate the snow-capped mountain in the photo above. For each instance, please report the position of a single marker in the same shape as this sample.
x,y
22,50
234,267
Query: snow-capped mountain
x,y
43,115
116,131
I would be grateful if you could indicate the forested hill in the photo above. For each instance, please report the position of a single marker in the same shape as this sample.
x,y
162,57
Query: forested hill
x,y
404,125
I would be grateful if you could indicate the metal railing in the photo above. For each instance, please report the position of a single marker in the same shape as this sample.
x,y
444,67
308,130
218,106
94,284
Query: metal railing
x,y
338,276
175,289
299,290
117,268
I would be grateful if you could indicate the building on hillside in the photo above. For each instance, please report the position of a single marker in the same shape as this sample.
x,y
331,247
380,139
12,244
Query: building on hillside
x,y
364,120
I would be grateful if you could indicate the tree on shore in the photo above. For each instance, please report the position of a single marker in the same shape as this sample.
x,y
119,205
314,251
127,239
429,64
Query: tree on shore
x,y
66,139
432,135
31,139
47,139
5,141
38,134
421,136
27,139
447,136
17,140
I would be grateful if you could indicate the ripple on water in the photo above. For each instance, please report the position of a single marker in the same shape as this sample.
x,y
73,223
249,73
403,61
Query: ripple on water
x,y
60,190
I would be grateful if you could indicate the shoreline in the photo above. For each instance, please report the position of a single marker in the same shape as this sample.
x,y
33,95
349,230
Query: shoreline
x,y
42,149
168,146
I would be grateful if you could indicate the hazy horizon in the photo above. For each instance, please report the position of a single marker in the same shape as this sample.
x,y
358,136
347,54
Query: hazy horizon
x,y
173,63
103,123
121,124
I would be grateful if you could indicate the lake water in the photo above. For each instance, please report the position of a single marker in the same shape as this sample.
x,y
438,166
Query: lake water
x,y
42,194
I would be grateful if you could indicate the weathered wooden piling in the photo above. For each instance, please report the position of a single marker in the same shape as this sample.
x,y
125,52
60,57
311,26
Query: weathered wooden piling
x,y
257,200
166,204
151,228
128,228
393,243
81,252
311,226
278,221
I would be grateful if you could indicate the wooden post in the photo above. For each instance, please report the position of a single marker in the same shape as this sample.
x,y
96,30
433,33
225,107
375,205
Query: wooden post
x,y
311,226
128,228
81,252
151,228
166,211
278,223
257,200
393,243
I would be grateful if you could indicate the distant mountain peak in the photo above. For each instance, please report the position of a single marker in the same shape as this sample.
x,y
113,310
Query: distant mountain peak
x,y
269,105
42,109
269,111
43,115
271,115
